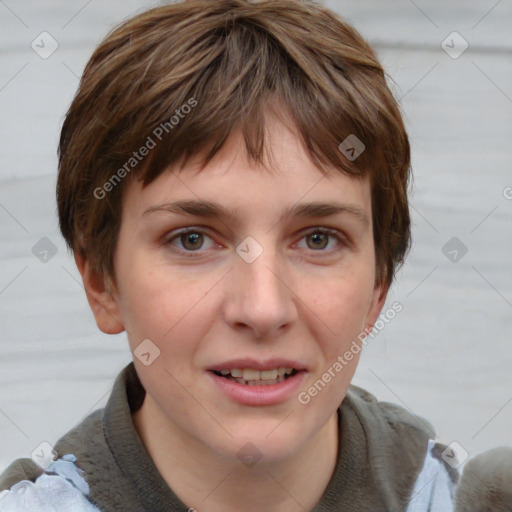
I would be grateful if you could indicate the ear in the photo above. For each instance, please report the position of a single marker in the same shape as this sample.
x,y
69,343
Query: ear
x,y
103,303
377,301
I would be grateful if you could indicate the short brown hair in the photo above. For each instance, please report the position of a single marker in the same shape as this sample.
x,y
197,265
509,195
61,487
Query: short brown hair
x,y
227,60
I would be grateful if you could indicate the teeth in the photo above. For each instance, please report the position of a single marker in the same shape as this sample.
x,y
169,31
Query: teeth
x,y
259,382
249,374
269,375
284,371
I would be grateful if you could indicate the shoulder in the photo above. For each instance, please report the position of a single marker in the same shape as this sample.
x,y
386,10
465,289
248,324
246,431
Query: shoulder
x,y
404,456
388,416
83,438
57,486
25,485
20,469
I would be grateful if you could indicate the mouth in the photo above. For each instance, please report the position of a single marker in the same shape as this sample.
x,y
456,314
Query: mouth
x,y
258,383
253,377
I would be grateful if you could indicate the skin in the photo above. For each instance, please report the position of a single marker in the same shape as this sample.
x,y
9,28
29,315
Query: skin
x,y
300,298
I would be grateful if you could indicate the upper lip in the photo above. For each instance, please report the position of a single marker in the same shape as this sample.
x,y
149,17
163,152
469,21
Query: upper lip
x,y
267,364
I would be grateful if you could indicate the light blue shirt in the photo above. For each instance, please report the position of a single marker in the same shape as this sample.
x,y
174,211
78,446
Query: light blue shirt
x,y
66,490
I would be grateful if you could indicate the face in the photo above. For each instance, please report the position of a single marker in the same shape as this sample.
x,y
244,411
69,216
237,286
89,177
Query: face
x,y
231,304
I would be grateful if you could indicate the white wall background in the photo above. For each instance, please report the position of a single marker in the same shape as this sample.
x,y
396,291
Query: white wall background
x,y
447,356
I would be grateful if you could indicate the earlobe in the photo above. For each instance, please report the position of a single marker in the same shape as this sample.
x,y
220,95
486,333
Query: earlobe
x,y
103,303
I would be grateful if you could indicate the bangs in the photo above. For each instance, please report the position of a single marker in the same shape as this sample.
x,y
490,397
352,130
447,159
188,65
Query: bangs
x,y
232,73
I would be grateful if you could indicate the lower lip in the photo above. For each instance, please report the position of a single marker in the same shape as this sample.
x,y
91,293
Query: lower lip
x,y
259,395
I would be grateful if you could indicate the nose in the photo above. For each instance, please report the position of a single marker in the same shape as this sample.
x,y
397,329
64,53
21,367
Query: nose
x,y
260,296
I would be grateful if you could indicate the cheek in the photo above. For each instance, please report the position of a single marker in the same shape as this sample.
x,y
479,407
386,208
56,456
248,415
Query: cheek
x,y
340,307
340,312
163,307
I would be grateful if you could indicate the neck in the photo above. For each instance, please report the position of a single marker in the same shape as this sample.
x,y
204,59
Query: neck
x,y
208,482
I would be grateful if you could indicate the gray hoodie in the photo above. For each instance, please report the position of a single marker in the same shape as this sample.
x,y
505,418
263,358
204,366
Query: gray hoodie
x,y
387,461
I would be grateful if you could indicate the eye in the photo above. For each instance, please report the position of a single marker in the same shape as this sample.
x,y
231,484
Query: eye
x,y
191,240
318,239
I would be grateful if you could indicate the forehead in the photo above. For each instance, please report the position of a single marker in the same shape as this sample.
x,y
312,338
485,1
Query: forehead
x,y
232,187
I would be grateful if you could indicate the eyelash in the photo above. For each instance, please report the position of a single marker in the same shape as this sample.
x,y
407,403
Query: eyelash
x,y
194,254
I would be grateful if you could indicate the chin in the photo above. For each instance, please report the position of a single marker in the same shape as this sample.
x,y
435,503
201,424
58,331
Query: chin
x,y
262,442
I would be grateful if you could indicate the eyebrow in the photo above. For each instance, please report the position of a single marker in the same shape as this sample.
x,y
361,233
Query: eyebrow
x,y
210,209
